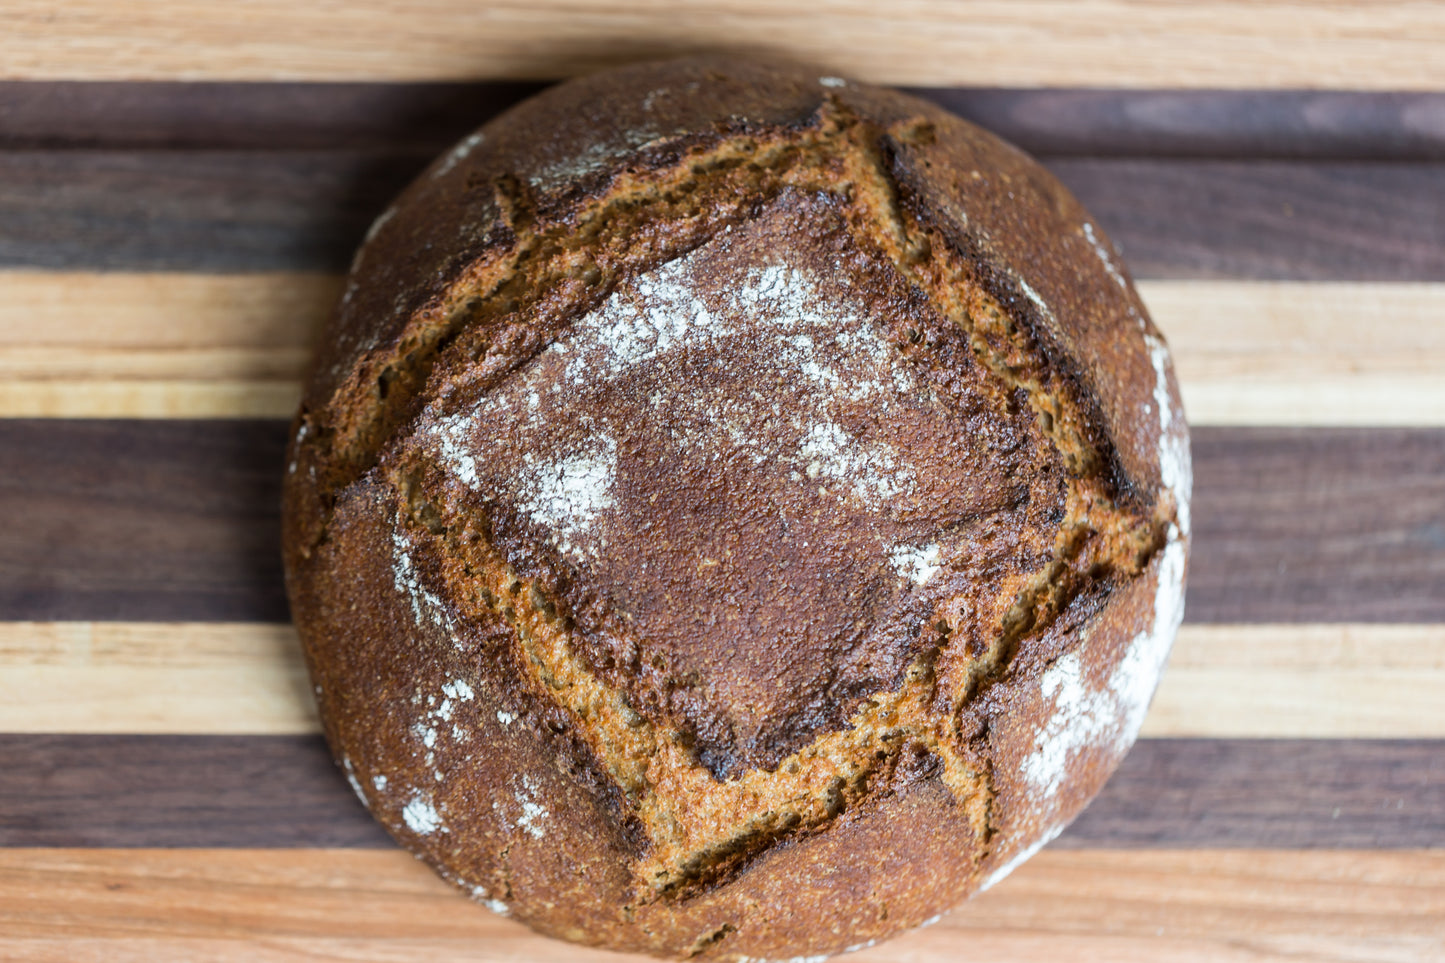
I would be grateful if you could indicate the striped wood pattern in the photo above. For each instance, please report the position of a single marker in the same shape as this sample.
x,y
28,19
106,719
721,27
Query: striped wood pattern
x,y
306,210
1340,125
285,791
1336,681
1228,905
1218,43
179,345
167,250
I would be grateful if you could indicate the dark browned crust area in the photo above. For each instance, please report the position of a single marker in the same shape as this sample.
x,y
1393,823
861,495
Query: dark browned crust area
x,y
691,806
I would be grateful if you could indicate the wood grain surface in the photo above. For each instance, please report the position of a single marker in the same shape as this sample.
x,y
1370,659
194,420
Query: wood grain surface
x,y
1338,681
160,520
1236,906
1218,43
1231,124
180,186
306,210
182,345
279,791
179,520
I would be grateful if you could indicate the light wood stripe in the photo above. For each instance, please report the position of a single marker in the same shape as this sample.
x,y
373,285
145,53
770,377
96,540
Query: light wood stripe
x,y
176,345
1224,681
1102,43
146,345
1303,681
1091,906
138,677
1297,353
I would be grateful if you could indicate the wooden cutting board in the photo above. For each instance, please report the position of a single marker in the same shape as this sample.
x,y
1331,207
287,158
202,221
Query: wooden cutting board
x,y
180,188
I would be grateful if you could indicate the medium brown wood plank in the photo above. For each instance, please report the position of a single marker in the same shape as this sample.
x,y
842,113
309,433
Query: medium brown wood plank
x,y
181,345
1169,906
166,313
1224,681
1234,124
1221,43
178,521
245,211
285,791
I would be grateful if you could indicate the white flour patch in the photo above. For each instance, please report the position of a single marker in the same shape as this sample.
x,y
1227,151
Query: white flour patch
x,y
421,816
458,154
832,82
918,563
564,496
872,471
378,224
451,434
1176,467
1035,297
426,606
495,905
459,689
427,735
379,783
522,445
1021,857
598,157
1104,256
352,780
506,718
533,812
1084,716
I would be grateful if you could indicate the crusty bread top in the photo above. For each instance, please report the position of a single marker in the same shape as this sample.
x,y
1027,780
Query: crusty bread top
x,y
773,418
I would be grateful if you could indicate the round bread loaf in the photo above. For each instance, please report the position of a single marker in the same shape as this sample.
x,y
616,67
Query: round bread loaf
x,y
734,512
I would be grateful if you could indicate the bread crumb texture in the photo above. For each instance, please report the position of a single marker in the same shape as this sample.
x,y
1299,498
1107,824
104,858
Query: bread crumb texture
x,y
716,538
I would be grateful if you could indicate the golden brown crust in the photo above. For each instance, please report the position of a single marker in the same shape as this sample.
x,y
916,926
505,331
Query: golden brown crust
x,y
742,521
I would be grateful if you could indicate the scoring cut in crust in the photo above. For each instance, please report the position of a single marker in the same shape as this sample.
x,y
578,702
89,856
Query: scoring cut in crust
x,y
678,520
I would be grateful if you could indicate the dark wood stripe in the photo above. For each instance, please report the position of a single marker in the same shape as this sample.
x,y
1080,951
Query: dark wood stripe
x,y
1283,793
109,791
202,211
307,210
1268,220
280,791
1316,125
152,521
167,521
1237,124
1318,525
247,116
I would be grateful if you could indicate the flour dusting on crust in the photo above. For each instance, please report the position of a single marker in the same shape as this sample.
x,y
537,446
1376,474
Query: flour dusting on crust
x,y
1102,253
1175,465
426,605
1021,857
421,817
458,154
1085,716
824,351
